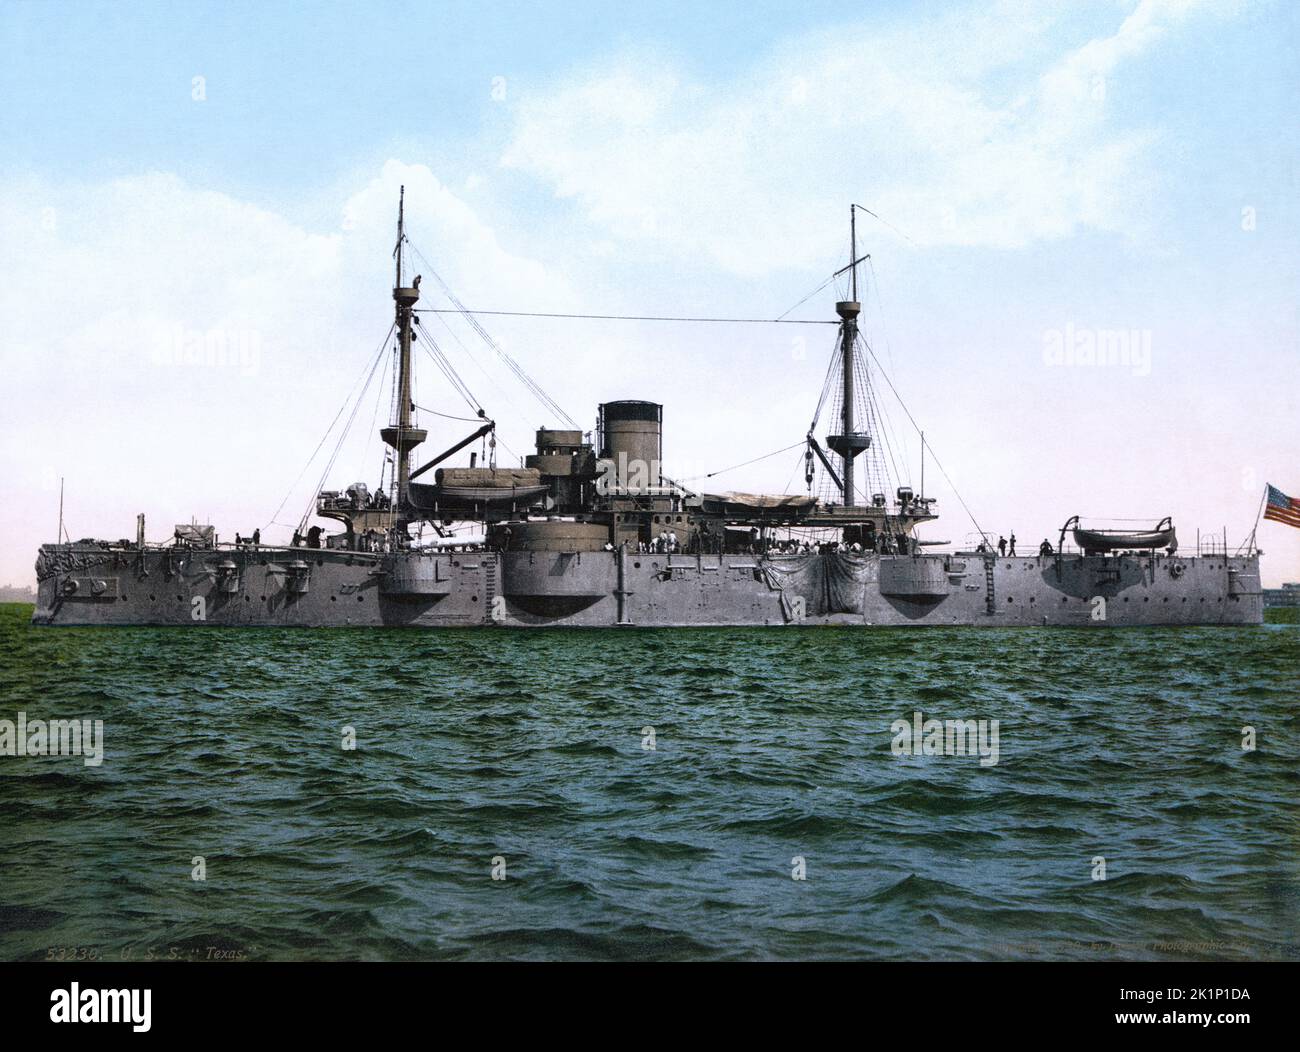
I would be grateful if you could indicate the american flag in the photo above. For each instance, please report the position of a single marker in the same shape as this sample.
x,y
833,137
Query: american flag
x,y
1282,508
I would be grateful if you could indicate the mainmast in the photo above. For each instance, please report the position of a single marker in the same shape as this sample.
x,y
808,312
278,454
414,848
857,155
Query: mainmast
x,y
849,442
403,436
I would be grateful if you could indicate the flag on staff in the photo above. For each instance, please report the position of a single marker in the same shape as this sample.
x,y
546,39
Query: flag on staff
x,y
1281,508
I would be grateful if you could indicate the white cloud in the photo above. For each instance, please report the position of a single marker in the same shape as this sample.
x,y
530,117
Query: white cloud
x,y
914,122
176,350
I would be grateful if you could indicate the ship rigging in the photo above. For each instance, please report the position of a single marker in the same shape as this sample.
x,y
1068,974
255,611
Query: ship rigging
x,y
616,483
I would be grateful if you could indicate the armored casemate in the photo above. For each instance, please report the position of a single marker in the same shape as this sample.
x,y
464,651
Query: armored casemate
x,y
593,530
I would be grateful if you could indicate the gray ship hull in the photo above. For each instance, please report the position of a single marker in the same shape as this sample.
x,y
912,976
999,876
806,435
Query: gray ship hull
x,y
296,587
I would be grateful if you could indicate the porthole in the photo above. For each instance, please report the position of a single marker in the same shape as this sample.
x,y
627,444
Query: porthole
x,y
334,599
473,599
361,599
637,565
152,597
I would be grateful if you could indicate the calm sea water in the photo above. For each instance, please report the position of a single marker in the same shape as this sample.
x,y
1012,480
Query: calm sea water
x,y
770,745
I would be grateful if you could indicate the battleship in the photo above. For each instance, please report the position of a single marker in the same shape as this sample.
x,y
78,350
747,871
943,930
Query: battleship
x,y
591,531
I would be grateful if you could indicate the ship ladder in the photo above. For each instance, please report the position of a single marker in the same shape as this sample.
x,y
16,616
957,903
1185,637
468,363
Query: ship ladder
x,y
990,603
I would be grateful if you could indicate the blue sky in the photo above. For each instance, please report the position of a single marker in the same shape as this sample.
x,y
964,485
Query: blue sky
x,y
305,93
1107,167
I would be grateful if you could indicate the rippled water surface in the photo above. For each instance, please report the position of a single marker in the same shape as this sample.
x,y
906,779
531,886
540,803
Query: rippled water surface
x,y
770,744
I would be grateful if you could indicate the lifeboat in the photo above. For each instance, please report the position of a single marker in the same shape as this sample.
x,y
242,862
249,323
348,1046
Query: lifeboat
x,y
1097,542
468,487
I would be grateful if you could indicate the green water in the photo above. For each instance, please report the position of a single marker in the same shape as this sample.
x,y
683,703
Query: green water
x,y
770,746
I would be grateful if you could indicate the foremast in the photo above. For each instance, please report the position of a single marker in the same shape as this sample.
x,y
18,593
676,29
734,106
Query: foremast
x,y
402,435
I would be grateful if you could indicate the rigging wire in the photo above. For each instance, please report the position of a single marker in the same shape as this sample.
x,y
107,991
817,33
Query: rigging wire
x,y
826,388
444,363
884,332
449,416
733,467
382,344
798,463
379,399
520,373
887,223
781,317
440,359
389,467
885,431
635,317
505,396
924,441
886,428
311,502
